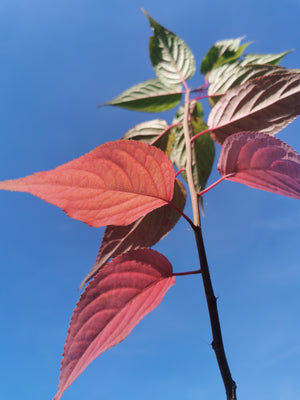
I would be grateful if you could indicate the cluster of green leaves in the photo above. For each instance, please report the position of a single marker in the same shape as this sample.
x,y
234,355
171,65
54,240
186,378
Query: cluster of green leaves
x,y
224,67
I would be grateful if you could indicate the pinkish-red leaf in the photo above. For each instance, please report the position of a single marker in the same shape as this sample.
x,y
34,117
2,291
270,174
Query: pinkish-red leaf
x,y
265,104
115,184
262,162
114,302
144,232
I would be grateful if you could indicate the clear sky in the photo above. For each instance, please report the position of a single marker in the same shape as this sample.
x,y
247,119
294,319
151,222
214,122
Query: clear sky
x,y
59,59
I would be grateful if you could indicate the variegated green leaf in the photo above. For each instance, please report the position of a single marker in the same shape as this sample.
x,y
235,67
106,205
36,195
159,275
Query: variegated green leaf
x,y
149,96
222,52
273,59
171,58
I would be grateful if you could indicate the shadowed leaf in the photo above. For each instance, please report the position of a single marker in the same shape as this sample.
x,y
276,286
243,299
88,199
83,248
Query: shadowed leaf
x,y
145,232
171,58
266,104
149,131
149,96
202,147
114,302
262,162
115,184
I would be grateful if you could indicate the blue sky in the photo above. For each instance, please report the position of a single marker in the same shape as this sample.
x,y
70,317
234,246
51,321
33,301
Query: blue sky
x,y
59,60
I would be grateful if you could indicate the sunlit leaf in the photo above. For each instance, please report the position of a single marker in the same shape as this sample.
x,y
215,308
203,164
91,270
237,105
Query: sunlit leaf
x,y
273,59
115,301
252,66
262,162
115,184
222,52
149,96
144,232
203,147
171,58
229,76
266,104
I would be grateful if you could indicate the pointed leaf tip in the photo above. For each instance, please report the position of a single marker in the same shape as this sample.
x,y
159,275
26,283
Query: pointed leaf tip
x,y
115,301
114,184
262,162
149,96
171,58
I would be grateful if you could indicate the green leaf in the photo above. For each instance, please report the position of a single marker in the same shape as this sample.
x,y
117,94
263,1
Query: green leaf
x,y
222,52
203,147
149,131
149,96
171,58
273,59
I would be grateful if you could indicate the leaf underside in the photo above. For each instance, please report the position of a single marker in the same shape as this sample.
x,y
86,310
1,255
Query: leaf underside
x,y
229,76
261,162
115,184
114,302
266,104
235,73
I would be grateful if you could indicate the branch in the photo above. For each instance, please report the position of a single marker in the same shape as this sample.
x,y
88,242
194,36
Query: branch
x,y
188,168
217,344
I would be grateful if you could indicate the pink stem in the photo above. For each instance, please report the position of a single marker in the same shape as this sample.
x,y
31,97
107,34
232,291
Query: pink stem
x,y
199,134
182,214
215,184
179,172
164,131
200,97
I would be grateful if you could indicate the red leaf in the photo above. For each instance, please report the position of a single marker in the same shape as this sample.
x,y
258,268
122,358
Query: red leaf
x,y
266,104
144,232
114,302
114,184
262,162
